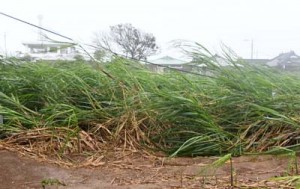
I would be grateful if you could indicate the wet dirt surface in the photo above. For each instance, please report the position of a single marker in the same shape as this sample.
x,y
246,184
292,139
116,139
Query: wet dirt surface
x,y
139,172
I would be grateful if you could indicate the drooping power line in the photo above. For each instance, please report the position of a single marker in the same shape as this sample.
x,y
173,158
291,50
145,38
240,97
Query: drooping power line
x,y
75,43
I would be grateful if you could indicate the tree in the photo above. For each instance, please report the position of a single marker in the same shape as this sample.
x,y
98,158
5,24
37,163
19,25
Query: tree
x,y
78,57
100,55
128,40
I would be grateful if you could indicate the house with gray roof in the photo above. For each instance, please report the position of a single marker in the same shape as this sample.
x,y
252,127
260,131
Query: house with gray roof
x,y
286,61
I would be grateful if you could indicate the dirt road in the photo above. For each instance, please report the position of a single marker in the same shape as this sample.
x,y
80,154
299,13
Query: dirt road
x,y
139,172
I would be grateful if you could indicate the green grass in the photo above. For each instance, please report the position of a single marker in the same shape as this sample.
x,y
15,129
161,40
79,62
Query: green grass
x,y
232,110
51,182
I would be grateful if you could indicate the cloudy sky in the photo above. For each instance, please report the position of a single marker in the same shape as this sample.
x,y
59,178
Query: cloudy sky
x,y
272,24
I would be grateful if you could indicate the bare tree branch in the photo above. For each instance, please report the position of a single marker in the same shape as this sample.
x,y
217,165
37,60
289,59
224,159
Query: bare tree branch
x,y
128,40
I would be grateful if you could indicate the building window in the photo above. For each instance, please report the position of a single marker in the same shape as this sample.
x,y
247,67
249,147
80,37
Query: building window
x,y
53,49
64,50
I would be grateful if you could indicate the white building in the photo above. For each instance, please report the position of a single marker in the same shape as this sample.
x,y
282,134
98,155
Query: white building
x,y
159,65
49,51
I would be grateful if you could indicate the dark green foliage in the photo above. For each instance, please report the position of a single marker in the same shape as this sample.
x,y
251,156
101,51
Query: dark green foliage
x,y
237,108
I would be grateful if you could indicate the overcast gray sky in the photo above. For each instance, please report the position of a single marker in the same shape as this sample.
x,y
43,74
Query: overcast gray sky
x,y
272,24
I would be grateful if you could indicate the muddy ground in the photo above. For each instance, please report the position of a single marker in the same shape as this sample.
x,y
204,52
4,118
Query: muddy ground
x,y
134,171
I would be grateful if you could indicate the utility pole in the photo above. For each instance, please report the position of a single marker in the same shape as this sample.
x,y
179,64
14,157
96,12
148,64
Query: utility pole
x,y
5,48
252,48
40,38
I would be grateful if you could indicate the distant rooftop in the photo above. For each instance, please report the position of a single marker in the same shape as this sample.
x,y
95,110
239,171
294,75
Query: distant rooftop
x,y
284,58
44,44
256,61
167,60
